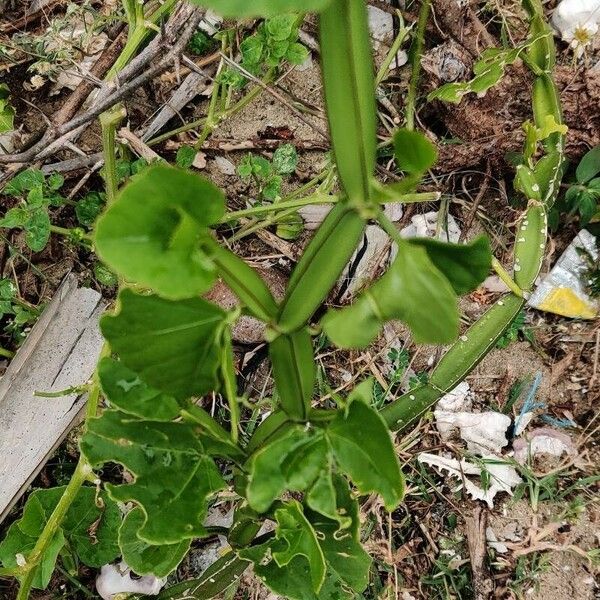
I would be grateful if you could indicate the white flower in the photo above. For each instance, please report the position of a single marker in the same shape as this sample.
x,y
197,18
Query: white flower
x,y
577,22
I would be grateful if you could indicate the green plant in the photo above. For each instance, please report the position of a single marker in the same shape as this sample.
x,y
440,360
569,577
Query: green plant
x,y
7,112
275,42
591,274
583,196
450,575
201,43
19,313
518,328
37,194
527,573
268,178
166,347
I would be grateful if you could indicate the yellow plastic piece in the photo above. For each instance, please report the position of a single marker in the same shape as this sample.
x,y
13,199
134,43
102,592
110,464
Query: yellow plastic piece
x,y
564,301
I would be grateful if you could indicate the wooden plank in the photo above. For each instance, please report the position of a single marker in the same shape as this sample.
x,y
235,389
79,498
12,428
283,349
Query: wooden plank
x,y
60,352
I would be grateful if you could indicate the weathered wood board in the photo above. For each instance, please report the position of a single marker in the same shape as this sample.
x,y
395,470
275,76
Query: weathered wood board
x,y
60,352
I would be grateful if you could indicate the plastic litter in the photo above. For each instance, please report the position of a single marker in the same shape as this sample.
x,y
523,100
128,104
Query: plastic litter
x,y
116,579
426,225
500,476
563,290
543,441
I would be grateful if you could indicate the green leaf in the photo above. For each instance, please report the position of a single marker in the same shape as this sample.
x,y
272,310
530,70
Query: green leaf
x,y
201,43
465,266
15,217
24,182
173,474
413,290
415,153
589,165
347,562
285,159
489,70
55,181
150,234
252,50
294,528
272,189
217,441
7,289
297,54
349,83
254,165
89,527
146,559
7,112
89,208
37,230
185,157
105,276
127,392
293,564
261,8
587,206
172,345
291,462
17,542
363,449
280,27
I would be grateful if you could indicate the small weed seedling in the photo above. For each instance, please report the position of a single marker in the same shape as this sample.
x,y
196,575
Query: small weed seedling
x,y
16,313
583,196
518,330
275,43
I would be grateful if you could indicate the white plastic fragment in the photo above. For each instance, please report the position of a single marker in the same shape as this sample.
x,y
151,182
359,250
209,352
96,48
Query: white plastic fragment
x,y
426,225
484,433
522,421
563,290
459,399
501,476
116,579
577,22
494,543
543,441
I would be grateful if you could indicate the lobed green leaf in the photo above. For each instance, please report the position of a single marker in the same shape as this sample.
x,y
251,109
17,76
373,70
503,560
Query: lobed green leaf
x,y
362,447
173,474
413,290
89,528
